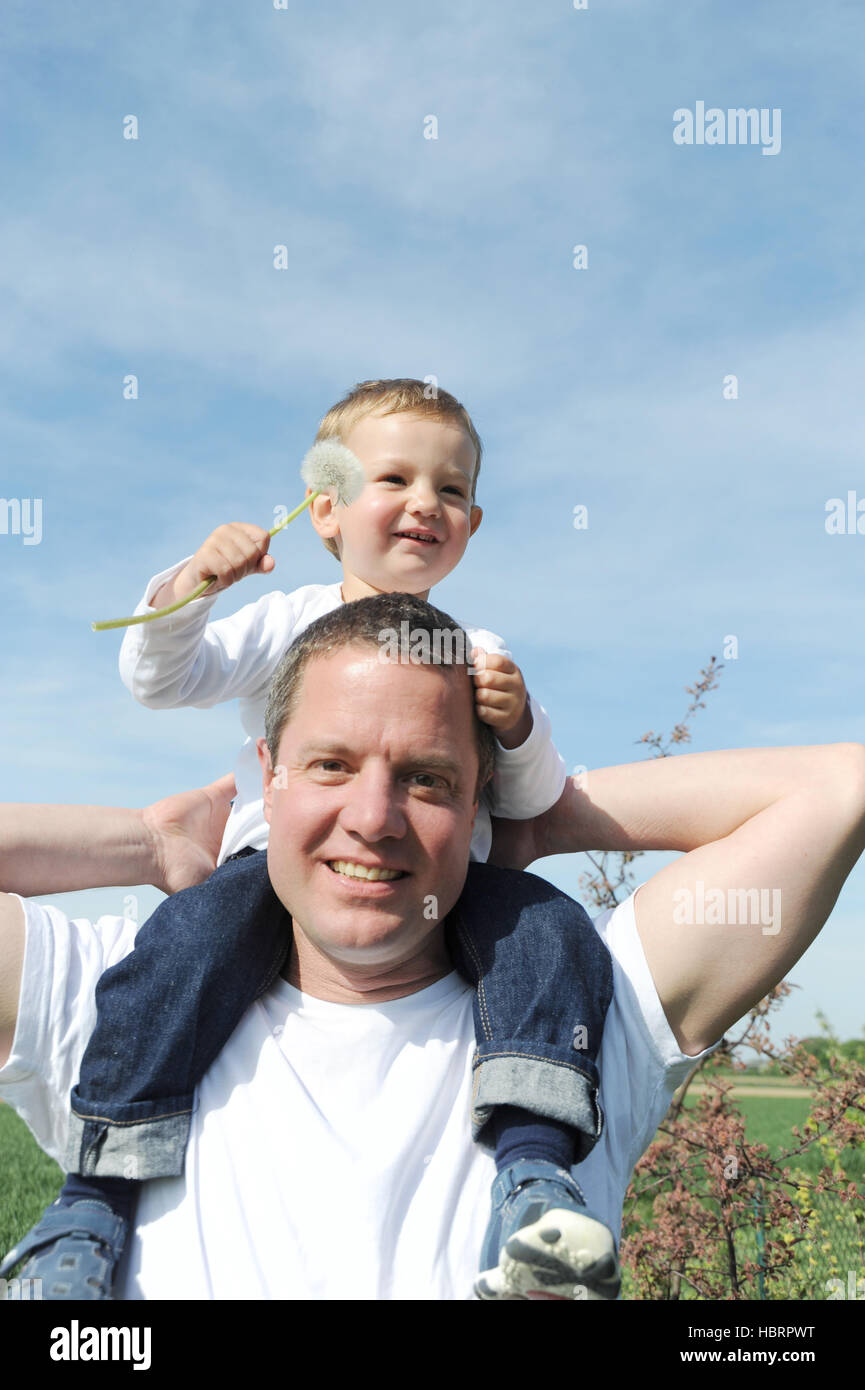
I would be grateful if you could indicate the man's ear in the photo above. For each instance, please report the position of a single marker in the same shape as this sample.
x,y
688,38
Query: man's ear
x,y
475,518
267,775
323,515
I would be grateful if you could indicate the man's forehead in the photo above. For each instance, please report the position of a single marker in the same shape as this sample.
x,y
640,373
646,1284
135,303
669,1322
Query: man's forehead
x,y
357,685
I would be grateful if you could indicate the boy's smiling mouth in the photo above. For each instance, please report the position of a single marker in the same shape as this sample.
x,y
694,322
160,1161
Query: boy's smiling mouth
x,y
425,537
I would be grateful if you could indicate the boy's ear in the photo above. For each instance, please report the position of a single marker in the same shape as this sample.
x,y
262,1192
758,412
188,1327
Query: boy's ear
x,y
475,518
323,515
267,775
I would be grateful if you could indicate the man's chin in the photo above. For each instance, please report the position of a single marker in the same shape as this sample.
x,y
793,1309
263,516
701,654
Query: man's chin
x,y
377,940
370,936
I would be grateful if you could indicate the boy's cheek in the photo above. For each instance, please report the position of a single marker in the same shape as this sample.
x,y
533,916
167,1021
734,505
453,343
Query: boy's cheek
x,y
375,505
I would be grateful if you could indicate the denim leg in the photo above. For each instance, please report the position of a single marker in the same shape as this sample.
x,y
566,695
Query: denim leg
x,y
543,982
165,1012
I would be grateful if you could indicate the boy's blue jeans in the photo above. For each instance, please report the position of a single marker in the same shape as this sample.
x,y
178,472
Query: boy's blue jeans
x,y
542,977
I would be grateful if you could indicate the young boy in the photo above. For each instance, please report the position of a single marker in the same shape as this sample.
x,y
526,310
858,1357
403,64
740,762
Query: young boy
x,y
536,1079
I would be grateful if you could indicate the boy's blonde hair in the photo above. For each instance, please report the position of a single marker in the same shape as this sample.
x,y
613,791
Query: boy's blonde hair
x,y
390,398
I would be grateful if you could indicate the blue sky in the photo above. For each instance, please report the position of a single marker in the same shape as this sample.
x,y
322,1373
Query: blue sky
x,y
453,257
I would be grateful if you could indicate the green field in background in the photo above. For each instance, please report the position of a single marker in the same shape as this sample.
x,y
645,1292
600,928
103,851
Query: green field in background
x,y
29,1179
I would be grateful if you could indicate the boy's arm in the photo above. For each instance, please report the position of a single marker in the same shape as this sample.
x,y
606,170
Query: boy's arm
x,y
186,660
529,774
172,844
530,777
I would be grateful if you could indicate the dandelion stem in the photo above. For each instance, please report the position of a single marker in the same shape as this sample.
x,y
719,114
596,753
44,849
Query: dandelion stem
x,y
196,592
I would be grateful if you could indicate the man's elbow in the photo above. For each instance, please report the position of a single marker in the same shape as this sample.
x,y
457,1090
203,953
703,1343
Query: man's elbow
x,y
851,762
848,771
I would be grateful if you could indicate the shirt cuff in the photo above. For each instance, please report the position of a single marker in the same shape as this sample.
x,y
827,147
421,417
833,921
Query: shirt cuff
x,y
188,616
530,779
156,583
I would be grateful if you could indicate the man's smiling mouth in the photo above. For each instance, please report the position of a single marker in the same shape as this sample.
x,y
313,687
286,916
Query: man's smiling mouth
x,y
352,870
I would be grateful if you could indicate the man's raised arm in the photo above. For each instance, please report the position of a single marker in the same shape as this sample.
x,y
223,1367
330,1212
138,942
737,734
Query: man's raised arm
x,y
57,849
769,835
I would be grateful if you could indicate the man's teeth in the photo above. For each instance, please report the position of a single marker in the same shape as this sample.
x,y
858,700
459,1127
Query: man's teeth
x,y
343,866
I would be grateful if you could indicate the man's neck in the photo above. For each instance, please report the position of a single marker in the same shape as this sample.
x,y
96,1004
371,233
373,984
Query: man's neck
x,y
312,972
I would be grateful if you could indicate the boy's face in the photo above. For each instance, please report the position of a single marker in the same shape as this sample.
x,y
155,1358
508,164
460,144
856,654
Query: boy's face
x,y
411,524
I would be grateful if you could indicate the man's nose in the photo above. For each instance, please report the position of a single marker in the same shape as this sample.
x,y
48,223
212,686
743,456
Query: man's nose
x,y
372,808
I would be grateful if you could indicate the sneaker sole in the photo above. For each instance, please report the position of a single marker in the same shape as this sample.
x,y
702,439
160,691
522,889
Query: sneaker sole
x,y
563,1255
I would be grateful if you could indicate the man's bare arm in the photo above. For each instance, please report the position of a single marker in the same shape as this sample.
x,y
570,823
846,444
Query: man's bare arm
x,y
57,849
674,803
774,881
786,821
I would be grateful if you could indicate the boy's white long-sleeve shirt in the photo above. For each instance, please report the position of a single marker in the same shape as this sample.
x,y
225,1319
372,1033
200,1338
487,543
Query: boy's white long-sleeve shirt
x,y
186,660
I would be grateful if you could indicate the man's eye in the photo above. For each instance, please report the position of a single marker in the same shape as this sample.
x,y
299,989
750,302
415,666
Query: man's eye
x,y
330,765
428,780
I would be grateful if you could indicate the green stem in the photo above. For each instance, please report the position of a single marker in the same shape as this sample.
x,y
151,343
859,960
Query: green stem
x,y
297,511
199,590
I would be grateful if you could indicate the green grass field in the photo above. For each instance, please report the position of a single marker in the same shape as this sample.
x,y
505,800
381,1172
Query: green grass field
x,y
30,1180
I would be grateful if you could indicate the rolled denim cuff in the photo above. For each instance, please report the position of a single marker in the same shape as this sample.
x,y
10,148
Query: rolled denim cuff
x,y
553,1089
139,1149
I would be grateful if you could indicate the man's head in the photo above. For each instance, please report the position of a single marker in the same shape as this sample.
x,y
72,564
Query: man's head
x,y
372,770
421,455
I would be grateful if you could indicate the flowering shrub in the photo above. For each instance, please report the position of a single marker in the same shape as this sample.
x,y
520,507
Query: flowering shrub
x,y
709,1215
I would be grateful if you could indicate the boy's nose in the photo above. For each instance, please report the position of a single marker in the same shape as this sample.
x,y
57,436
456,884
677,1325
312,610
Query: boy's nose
x,y
424,500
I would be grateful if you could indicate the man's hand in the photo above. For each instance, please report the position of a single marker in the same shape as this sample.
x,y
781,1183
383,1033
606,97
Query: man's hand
x,y
186,832
501,698
230,553
172,844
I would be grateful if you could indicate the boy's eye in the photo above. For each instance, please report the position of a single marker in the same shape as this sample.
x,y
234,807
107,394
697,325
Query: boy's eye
x,y
400,480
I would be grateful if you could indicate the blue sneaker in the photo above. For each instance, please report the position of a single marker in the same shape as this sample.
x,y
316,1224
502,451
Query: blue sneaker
x,y
74,1252
542,1242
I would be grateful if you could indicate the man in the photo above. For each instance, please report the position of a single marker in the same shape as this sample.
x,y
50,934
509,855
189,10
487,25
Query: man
x,y
331,1155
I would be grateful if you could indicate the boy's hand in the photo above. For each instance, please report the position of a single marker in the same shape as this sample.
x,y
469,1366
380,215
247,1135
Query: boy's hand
x,y
501,698
230,553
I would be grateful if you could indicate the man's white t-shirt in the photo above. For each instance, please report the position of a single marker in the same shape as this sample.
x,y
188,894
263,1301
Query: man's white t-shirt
x,y
186,660
330,1155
